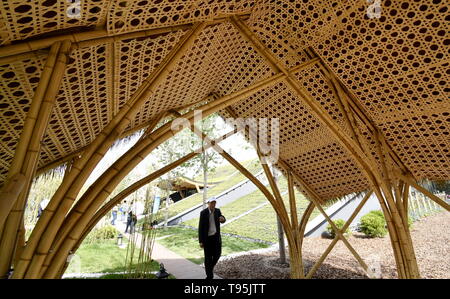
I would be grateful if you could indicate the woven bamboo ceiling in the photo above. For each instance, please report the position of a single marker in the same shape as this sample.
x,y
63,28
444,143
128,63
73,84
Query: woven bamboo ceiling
x,y
395,67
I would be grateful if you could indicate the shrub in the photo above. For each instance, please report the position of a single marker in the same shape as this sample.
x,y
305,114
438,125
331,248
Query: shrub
x,y
373,224
104,233
339,224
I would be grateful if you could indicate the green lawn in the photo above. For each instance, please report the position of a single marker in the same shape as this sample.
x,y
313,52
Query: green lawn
x,y
222,173
185,242
102,256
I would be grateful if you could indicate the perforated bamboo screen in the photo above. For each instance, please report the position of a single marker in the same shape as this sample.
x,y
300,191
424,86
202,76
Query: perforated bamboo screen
x,y
395,67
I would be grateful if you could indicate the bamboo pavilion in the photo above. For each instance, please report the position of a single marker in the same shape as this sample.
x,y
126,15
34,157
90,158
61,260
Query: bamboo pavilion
x,y
360,89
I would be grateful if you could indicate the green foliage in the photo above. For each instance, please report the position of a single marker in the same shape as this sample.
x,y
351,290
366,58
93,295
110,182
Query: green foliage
x,y
340,225
373,224
104,233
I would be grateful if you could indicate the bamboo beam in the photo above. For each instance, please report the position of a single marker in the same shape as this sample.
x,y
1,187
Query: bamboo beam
x,y
341,136
27,152
356,110
336,238
79,152
424,191
23,56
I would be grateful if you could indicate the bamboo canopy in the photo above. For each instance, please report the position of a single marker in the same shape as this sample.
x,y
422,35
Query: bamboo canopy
x,y
361,96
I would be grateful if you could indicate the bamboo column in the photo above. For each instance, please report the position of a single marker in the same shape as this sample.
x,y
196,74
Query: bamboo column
x,y
64,197
11,190
106,183
27,152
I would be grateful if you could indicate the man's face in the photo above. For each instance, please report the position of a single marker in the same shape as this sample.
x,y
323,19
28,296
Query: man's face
x,y
212,205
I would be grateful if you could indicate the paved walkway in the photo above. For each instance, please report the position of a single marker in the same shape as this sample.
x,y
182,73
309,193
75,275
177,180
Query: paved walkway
x,y
174,263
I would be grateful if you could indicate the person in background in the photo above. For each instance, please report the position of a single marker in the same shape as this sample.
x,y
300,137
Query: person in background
x,y
129,221
209,236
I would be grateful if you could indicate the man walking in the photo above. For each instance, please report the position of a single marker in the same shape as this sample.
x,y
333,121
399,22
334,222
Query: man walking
x,y
209,235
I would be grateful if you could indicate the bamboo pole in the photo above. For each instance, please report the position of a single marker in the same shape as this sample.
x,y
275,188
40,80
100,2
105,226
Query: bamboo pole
x,y
298,271
280,208
386,185
282,213
163,133
209,108
23,56
292,203
30,120
349,144
67,192
276,202
315,198
336,238
27,152
68,243
132,188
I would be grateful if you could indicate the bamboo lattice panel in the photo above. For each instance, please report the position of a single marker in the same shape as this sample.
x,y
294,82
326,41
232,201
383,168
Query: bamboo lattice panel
x,y
395,67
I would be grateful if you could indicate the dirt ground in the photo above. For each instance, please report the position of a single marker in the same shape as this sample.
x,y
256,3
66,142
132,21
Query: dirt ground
x,y
431,237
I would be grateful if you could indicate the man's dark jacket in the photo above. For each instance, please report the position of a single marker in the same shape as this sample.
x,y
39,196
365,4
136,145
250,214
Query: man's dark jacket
x,y
203,226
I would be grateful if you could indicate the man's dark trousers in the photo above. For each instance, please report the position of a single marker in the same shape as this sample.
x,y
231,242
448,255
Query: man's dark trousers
x,y
213,250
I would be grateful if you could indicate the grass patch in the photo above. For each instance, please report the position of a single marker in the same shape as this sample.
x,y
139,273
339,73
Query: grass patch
x,y
102,256
262,223
184,241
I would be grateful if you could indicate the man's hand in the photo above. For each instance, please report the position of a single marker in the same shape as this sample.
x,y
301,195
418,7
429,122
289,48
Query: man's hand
x,y
221,219
201,245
